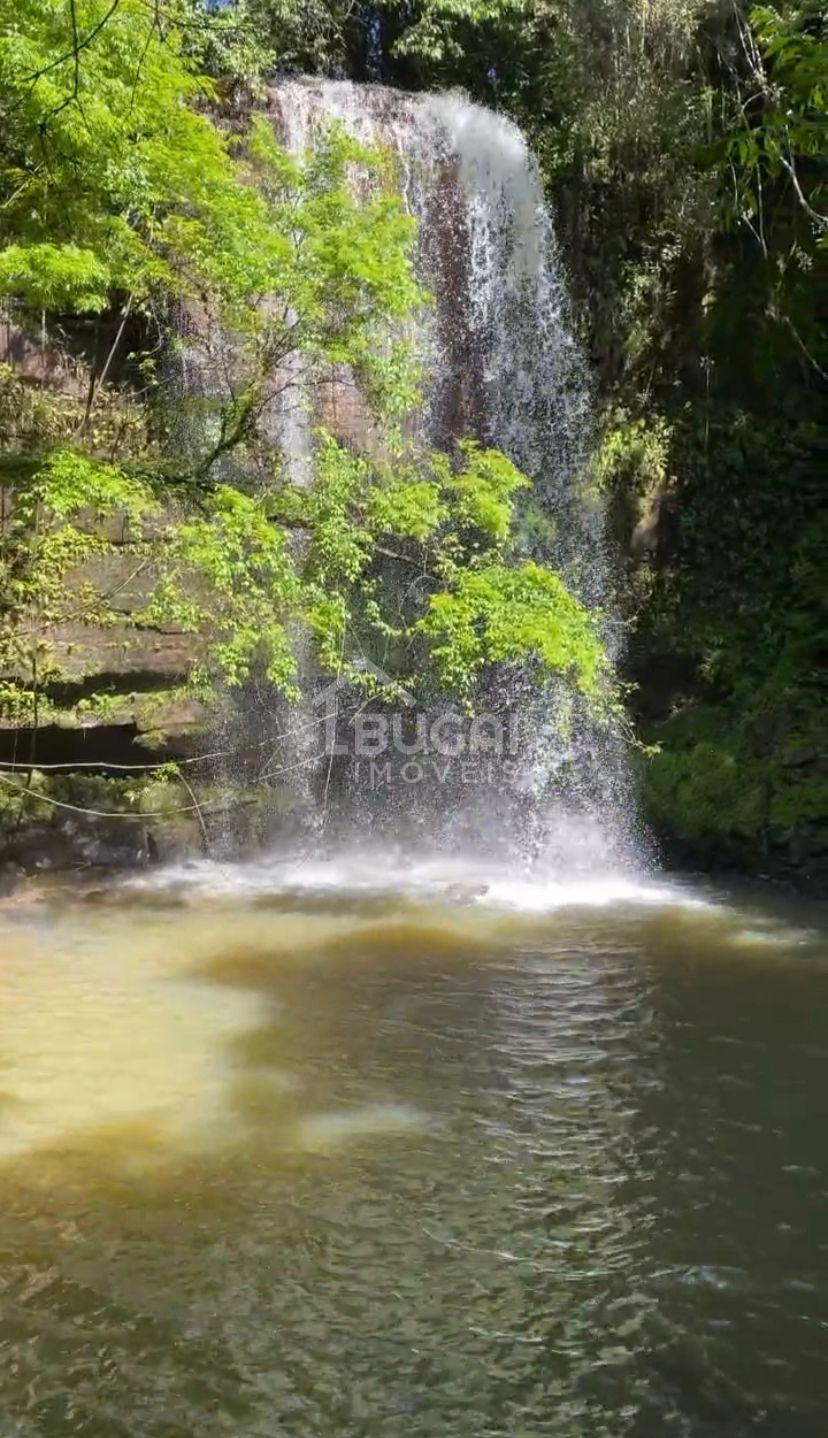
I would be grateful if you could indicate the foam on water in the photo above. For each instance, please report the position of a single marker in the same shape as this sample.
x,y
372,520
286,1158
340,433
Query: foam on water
x,y
435,878
324,1132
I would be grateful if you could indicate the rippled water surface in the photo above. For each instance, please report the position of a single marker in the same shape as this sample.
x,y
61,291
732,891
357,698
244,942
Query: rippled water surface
x,y
355,1151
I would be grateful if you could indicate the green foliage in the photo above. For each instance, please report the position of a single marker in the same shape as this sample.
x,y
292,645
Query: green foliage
x,y
104,156
683,145
634,454
405,506
717,791
482,490
704,786
230,43
749,497
771,158
302,265
742,601
100,213
55,530
339,543
230,575
54,277
227,576
69,483
224,575
495,614
35,417
784,136
452,524
313,37
155,794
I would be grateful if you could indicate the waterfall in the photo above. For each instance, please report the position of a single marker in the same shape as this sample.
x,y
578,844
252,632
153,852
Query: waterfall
x,y
505,369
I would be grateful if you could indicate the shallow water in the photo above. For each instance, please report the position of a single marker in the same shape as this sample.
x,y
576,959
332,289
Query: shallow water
x,y
382,1148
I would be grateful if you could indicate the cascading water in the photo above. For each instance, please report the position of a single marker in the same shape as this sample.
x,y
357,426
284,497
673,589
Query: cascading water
x,y
505,369
504,364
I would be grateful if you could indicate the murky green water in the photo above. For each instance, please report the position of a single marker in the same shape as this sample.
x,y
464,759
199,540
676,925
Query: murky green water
x,y
315,1157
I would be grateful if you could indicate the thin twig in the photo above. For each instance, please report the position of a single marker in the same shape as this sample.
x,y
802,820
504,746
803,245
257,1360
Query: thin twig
x,y
77,45
205,842
96,387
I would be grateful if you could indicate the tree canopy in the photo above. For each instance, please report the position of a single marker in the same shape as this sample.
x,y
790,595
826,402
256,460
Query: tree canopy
x,y
127,196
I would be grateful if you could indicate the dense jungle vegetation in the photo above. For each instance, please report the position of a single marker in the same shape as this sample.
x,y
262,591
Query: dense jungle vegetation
x,y
683,147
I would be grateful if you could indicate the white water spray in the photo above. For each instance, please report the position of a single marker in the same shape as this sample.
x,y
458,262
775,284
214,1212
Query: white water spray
x,y
504,368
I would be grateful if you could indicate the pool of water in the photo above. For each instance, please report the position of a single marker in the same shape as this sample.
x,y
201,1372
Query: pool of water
x,y
383,1148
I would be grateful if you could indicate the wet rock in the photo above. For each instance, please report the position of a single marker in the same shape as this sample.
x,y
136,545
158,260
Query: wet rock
x,y
11,874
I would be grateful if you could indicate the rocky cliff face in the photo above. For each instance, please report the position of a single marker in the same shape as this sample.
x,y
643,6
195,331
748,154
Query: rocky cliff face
x,y
109,698
124,677
503,369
